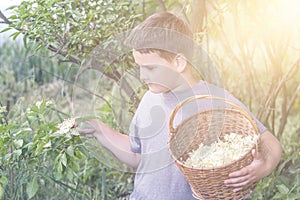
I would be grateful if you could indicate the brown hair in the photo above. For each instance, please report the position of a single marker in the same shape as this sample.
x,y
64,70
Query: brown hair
x,y
163,27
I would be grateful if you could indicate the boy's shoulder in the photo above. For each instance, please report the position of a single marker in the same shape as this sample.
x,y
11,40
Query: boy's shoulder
x,y
149,98
205,88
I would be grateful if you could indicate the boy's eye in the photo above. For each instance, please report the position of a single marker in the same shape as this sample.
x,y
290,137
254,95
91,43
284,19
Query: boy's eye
x,y
148,67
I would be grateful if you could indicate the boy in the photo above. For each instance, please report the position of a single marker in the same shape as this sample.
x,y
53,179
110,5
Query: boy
x,y
162,49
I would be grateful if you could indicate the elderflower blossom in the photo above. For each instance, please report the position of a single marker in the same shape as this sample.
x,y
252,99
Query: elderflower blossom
x,y
38,104
66,126
48,103
221,153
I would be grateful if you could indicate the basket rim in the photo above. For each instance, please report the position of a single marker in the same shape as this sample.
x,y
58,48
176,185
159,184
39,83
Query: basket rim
x,y
255,145
199,97
252,122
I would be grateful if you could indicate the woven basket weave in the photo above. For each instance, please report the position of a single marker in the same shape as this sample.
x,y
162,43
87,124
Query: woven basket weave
x,y
205,127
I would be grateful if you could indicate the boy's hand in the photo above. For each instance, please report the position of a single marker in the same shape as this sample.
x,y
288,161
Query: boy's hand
x,y
85,131
93,126
249,174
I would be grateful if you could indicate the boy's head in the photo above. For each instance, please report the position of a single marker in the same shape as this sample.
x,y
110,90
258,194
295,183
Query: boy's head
x,y
162,33
162,46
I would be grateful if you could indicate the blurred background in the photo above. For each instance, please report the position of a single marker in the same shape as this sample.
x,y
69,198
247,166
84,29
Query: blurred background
x,y
48,52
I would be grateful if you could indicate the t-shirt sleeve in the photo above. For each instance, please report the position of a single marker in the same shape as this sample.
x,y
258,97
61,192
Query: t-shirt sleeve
x,y
135,142
260,126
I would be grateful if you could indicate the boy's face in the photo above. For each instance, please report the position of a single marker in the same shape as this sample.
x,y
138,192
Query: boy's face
x,y
160,75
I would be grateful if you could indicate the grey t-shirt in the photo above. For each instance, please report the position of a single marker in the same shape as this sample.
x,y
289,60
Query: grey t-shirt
x,y
157,176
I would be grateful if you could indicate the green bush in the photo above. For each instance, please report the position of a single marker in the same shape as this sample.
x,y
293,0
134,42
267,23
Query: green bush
x,y
38,162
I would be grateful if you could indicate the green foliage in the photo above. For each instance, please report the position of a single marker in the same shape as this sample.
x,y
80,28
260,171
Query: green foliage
x,y
32,188
259,63
14,69
38,162
72,27
284,182
22,71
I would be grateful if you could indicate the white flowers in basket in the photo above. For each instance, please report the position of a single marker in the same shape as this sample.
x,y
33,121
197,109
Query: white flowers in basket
x,y
220,152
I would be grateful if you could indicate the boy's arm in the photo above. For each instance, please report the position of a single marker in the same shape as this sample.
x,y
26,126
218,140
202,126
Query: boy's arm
x,y
262,165
117,143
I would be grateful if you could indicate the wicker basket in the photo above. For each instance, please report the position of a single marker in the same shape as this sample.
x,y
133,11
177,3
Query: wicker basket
x,y
205,127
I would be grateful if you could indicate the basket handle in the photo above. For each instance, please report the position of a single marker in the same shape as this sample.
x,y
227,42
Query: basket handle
x,y
188,100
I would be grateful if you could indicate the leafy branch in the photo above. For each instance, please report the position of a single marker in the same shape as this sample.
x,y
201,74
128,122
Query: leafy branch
x,y
72,30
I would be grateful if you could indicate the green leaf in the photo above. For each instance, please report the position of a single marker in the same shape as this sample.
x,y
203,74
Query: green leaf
x,y
34,109
293,196
278,196
48,144
19,143
75,166
28,145
6,29
74,132
7,156
63,159
1,191
39,148
17,152
15,35
3,180
282,189
69,174
11,8
70,151
78,154
58,175
32,188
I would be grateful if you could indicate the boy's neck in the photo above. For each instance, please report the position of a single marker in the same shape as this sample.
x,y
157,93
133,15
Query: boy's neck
x,y
190,82
183,90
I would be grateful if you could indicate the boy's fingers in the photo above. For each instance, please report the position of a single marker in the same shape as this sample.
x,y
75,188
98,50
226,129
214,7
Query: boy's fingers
x,y
242,172
92,122
86,130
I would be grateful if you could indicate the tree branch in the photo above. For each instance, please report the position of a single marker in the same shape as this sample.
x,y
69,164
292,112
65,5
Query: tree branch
x,y
286,112
293,99
62,53
38,39
275,89
198,16
5,20
162,5
77,85
114,74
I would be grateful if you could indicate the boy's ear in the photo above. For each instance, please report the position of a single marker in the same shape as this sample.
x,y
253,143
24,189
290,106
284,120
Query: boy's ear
x,y
180,62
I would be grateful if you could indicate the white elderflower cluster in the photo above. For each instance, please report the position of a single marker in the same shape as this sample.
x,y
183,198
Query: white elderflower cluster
x,y
221,153
39,103
66,126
